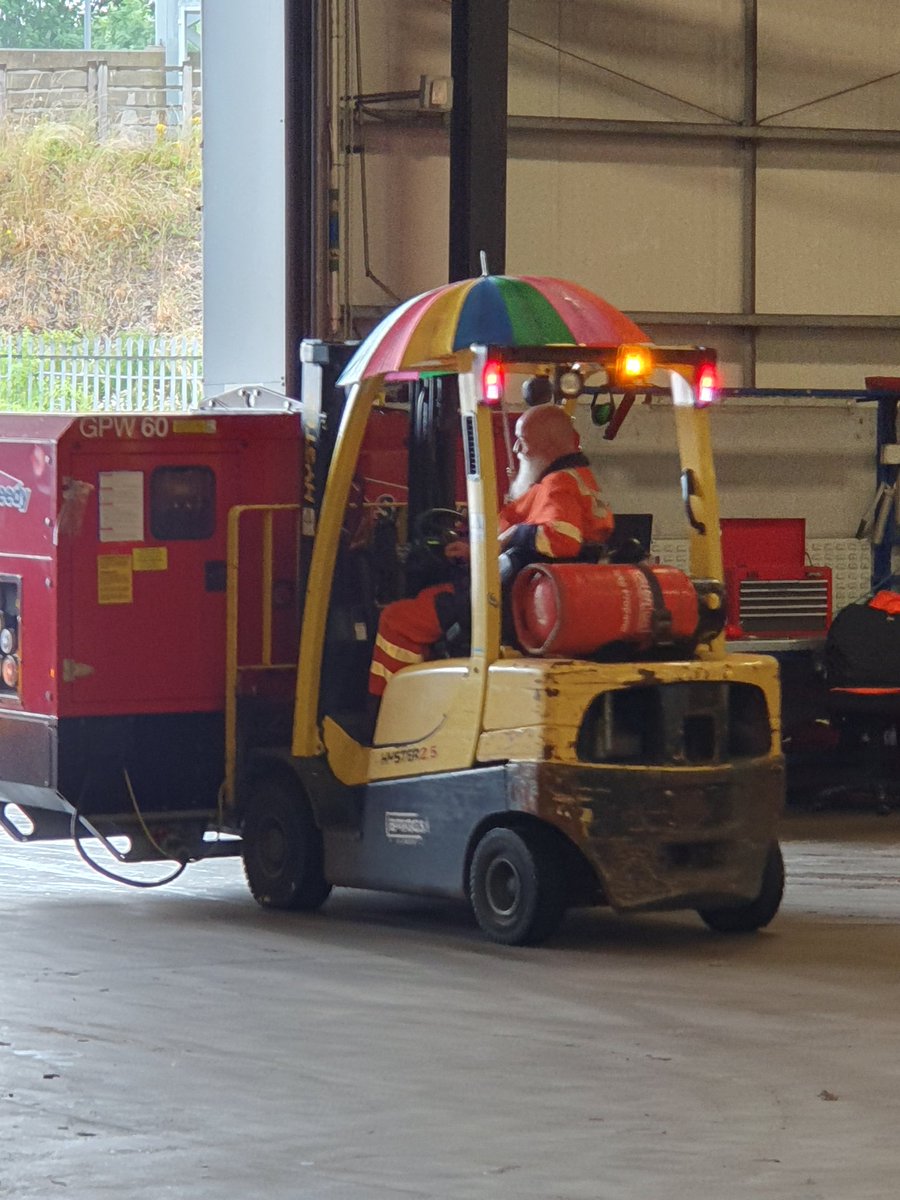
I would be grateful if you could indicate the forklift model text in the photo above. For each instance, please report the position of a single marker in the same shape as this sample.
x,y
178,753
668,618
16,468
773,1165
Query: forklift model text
x,y
409,754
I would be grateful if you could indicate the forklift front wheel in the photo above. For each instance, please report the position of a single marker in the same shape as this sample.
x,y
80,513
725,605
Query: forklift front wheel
x,y
283,859
517,886
755,914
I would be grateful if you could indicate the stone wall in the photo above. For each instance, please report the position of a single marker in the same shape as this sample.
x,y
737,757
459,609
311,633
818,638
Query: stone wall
x,y
129,92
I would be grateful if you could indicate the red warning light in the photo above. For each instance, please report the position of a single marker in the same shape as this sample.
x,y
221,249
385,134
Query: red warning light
x,y
493,378
708,385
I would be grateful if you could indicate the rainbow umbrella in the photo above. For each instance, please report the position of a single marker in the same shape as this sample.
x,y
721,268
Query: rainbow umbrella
x,y
493,310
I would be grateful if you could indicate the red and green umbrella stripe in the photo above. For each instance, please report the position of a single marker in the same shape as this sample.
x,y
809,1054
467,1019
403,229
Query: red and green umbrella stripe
x,y
590,319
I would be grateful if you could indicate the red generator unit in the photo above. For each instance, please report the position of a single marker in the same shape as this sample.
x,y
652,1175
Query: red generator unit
x,y
118,534
770,590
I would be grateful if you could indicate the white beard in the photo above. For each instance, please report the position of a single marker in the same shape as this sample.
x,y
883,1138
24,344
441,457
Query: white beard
x,y
527,475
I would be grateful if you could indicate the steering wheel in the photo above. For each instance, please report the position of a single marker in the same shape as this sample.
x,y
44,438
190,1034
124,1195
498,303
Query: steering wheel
x,y
435,528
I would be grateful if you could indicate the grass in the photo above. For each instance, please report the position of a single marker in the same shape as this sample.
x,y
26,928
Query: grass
x,y
98,237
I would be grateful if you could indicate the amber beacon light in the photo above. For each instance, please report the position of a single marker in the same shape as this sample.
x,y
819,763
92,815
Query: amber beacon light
x,y
634,365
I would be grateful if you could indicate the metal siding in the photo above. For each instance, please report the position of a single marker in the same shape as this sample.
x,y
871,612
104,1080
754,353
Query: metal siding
x,y
691,50
827,222
813,462
659,222
653,222
408,189
647,225
811,49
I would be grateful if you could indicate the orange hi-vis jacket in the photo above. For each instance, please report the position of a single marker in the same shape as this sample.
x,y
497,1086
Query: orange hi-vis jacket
x,y
559,513
556,516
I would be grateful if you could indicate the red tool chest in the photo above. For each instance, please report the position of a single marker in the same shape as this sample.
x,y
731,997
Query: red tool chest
x,y
771,591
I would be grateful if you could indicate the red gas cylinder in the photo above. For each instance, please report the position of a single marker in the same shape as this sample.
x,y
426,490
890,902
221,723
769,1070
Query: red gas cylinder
x,y
576,608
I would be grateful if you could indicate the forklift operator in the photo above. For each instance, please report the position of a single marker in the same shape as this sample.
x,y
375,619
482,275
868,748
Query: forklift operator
x,y
555,510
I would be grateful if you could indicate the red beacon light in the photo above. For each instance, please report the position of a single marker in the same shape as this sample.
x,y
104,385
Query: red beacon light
x,y
493,378
708,385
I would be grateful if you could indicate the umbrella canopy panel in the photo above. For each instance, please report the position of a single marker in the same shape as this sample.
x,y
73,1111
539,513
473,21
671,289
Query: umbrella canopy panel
x,y
500,310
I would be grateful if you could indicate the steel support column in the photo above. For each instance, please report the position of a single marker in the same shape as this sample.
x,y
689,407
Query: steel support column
x,y
306,176
479,64
748,151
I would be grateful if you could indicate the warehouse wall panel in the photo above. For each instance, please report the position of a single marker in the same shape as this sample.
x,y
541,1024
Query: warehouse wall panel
x,y
825,358
827,230
815,461
813,49
401,40
648,227
626,59
658,221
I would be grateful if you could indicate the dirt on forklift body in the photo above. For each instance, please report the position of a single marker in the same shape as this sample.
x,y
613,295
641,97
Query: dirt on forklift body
x,y
536,762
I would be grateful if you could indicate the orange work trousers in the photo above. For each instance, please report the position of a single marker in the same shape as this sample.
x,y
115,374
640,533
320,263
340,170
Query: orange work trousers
x,y
407,629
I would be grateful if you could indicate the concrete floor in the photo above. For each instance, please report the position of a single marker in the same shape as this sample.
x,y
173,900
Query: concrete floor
x,y
183,1043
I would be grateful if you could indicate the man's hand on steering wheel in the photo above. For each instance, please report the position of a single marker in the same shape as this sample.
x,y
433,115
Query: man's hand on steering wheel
x,y
441,532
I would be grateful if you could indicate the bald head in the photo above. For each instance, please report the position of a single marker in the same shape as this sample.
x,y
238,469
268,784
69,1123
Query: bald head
x,y
545,433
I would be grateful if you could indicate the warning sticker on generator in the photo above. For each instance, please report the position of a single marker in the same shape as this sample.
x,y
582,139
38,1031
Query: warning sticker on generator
x,y
121,506
194,426
150,558
114,579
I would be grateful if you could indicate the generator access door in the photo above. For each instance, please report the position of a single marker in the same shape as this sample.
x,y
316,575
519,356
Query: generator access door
x,y
145,622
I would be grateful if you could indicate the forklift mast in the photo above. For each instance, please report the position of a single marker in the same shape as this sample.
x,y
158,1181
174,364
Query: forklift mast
x,y
322,408
434,423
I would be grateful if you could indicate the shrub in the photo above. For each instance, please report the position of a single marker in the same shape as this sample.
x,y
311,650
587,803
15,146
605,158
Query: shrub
x,y
98,236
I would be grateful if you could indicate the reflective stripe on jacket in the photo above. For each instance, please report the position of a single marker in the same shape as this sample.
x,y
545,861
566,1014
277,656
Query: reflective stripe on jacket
x,y
559,513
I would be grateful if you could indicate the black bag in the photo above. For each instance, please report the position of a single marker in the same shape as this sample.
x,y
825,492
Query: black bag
x,y
862,648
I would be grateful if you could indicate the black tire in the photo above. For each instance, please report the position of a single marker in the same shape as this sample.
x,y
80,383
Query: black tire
x,y
755,914
517,886
282,848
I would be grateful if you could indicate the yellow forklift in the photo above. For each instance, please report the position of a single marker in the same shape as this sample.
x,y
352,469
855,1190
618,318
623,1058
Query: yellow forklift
x,y
535,762
644,773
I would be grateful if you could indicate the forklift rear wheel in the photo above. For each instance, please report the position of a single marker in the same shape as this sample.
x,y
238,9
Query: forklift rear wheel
x,y
517,886
283,858
755,914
